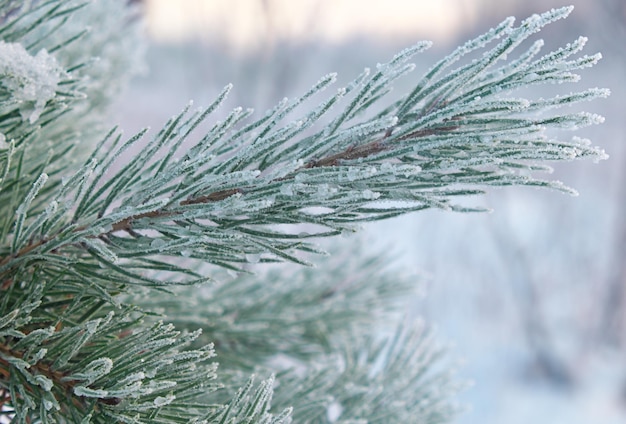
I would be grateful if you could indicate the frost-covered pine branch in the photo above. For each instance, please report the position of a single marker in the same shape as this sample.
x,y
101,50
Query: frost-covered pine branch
x,y
93,245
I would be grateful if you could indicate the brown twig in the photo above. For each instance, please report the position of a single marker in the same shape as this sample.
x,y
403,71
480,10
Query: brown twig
x,y
213,197
373,147
350,153
126,223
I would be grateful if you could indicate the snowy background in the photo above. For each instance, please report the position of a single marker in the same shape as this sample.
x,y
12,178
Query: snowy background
x,y
532,297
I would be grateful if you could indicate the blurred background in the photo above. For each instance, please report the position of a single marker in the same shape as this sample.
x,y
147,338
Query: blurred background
x,y
532,297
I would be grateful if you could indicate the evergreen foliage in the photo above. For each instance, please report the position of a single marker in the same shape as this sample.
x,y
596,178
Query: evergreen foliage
x,y
103,317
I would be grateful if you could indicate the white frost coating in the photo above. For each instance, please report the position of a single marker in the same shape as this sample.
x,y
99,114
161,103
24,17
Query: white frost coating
x,y
253,258
23,208
44,382
164,400
92,326
355,173
286,189
535,22
262,204
102,249
370,195
157,243
31,81
333,412
41,353
324,190
93,371
581,141
327,79
386,167
594,118
52,208
3,141
49,405
154,386
134,377
92,393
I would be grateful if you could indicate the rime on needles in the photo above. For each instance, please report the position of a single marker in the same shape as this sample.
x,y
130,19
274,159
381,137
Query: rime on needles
x,y
98,263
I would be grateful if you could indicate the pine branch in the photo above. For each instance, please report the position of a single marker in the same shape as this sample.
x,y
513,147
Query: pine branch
x,y
394,379
246,406
53,90
107,367
301,319
223,198
321,334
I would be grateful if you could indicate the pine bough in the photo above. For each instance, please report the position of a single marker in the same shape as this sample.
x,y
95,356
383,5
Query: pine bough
x,y
101,254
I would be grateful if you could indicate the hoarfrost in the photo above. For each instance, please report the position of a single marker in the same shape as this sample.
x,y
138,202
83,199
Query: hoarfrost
x,y
23,207
52,208
48,405
41,353
92,393
370,195
31,81
137,376
157,243
386,167
92,326
408,171
353,174
44,382
593,118
164,400
329,78
92,372
101,249
263,204
333,412
253,258
286,189
581,141
154,386
324,190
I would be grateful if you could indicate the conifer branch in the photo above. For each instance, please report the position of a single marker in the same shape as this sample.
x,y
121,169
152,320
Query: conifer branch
x,y
451,136
78,244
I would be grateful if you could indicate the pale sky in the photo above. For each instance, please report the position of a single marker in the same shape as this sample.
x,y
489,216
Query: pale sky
x,y
247,23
